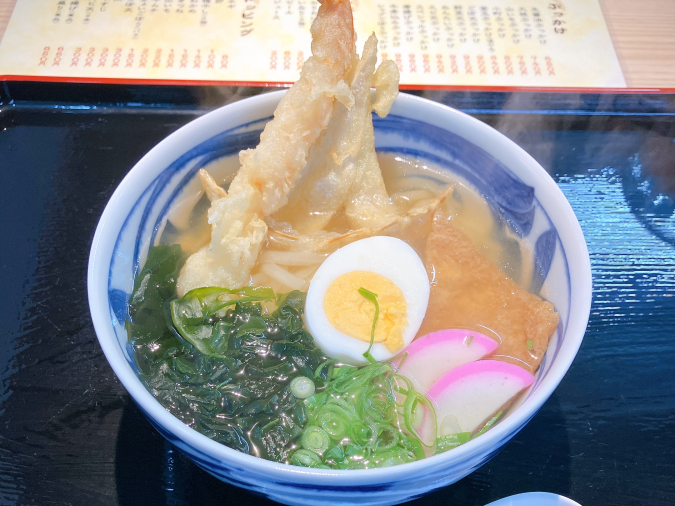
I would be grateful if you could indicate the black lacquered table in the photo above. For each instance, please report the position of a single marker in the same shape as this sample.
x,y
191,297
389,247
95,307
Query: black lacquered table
x,y
71,435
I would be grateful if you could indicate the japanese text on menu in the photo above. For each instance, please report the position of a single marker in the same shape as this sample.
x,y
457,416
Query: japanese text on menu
x,y
489,42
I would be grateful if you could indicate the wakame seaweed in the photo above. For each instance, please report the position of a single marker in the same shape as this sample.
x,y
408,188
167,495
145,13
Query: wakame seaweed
x,y
224,369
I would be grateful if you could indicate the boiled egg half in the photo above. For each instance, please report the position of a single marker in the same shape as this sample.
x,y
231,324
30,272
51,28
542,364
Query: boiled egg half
x,y
340,318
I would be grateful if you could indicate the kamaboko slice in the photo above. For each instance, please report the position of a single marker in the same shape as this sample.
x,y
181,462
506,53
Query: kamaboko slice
x,y
471,393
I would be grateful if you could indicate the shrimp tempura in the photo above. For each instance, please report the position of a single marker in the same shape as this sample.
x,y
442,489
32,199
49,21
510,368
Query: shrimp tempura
x,y
269,171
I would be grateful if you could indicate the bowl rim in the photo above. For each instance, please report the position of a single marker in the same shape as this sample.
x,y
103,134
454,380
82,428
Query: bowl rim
x,y
482,135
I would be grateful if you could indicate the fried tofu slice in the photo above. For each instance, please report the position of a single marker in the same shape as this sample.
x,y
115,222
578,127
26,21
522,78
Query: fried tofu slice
x,y
468,291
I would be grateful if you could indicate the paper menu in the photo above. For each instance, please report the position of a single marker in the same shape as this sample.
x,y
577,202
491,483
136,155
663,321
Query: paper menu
x,y
517,43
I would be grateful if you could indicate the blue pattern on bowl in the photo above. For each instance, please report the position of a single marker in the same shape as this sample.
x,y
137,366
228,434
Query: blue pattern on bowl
x,y
515,202
497,183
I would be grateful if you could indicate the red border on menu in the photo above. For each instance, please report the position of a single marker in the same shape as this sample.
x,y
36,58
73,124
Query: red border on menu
x,y
171,82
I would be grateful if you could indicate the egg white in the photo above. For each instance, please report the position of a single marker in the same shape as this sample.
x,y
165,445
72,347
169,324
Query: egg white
x,y
387,256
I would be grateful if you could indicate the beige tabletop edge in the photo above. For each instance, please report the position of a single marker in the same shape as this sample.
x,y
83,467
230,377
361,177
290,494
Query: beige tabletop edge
x,y
643,34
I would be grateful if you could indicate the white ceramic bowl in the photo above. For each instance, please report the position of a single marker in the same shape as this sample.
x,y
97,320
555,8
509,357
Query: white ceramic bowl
x,y
508,177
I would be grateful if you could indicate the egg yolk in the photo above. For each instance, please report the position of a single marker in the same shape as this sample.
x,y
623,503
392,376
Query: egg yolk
x,y
352,314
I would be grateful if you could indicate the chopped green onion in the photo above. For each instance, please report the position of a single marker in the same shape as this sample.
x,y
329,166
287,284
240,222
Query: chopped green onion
x,y
445,443
468,340
360,432
489,424
529,344
416,447
305,458
378,403
449,425
387,437
372,297
335,453
400,364
409,411
315,439
393,457
191,314
328,362
334,421
302,387
356,420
